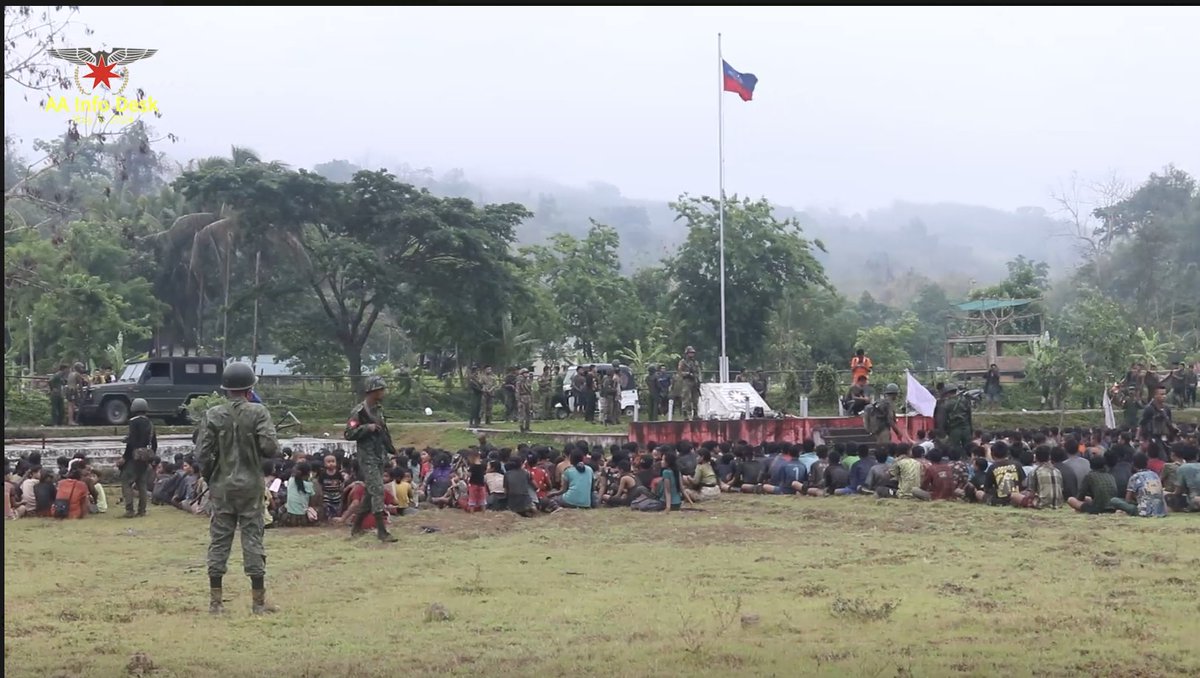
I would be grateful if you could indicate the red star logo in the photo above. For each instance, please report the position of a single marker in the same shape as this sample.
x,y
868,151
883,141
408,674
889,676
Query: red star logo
x,y
101,72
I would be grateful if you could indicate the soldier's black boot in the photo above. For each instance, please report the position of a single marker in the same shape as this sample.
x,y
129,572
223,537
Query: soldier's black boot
x,y
381,529
357,528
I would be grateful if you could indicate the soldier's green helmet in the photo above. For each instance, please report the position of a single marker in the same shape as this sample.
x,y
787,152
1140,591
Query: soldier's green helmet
x,y
139,406
616,363
375,383
238,377
79,367
891,389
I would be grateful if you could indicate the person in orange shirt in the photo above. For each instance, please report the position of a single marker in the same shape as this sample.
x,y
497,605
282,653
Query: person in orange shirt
x,y
75,492
860,366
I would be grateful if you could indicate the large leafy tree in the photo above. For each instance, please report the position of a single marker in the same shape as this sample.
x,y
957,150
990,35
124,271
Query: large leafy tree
x,y
597,304
764,257
375,237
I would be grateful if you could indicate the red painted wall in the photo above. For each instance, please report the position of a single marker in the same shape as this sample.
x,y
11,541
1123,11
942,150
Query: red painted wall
x,y
754,431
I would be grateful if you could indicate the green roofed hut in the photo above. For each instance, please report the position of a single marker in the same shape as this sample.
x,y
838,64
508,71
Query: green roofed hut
x,y
988,338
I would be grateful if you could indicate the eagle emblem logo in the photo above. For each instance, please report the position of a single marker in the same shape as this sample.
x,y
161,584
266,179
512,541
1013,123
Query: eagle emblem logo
x,y
103,66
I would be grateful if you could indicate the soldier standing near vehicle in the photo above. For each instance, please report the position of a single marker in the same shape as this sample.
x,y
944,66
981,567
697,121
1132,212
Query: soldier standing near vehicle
x,y
76,383
652,387
524,388
546,393
689,383
590,399
610,388
475,384
58,403
578,381
367,427
489,392
141,445
233,441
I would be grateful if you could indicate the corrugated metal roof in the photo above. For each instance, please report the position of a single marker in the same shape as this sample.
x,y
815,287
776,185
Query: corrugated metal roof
x,y
991,304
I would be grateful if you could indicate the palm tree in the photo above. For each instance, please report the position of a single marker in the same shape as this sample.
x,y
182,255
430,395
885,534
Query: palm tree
x,y
509,346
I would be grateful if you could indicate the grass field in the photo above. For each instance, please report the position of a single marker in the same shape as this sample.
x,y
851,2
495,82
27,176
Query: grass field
x,y
762,586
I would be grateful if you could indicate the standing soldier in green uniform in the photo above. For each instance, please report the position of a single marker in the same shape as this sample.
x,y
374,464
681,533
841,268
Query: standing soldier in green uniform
x,y
368,428
58,403
610,388
958,418
524,388
652,388
77,382
141,445
546,393
689,383
880,417
489,391
475,383
232,442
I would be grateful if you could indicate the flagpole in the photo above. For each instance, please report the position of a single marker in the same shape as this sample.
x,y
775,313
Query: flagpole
x,y
723,364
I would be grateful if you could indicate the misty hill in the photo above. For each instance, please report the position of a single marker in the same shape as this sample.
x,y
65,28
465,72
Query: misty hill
x,y
889,251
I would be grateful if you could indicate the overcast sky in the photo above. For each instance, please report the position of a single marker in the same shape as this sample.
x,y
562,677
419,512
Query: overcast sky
x,y
854,108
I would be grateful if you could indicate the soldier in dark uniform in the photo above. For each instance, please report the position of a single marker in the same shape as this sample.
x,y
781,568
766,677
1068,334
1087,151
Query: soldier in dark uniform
x,y
475,383
689,387
58,402
1156,421
589,395
141,445
546,393
489,393
524,392
759,382
510,394
77,382
957,413
652,388
368,428
233,441
610,388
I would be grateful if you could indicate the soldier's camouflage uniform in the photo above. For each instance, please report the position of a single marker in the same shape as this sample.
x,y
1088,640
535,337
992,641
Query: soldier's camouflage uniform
x,y
689,386
234,440
524,388
374,448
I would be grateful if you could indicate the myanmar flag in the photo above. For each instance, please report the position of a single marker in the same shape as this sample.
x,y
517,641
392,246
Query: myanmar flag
x,y
741,84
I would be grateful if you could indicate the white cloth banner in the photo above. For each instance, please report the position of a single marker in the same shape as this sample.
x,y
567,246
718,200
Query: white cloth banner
x,y
1110,419
918,396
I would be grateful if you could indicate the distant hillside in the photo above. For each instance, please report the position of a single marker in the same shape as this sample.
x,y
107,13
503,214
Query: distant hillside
x,y
889,251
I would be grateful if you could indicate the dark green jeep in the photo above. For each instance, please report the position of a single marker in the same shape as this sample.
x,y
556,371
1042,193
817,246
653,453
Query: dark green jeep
x,y
167,385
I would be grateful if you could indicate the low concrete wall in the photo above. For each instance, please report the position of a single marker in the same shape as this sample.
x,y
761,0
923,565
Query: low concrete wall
x,y
754,431
103,452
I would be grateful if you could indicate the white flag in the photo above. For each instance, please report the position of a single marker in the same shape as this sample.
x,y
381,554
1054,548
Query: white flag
x,y
1110,419
918,396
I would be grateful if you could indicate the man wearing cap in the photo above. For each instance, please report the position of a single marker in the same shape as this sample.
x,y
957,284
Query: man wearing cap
x,y
232,442
524,388
367,427
689,383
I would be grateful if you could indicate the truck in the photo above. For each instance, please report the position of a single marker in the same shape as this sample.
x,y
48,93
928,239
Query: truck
x,y
167,385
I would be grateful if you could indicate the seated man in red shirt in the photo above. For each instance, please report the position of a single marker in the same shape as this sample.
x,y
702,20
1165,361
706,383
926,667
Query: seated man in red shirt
x,y
940,480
